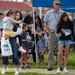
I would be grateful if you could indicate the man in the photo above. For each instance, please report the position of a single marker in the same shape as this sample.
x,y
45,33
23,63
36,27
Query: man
x,y
50,21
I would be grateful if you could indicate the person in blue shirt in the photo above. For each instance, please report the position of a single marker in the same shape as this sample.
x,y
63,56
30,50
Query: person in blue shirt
x,y
1,17
1,24
25,45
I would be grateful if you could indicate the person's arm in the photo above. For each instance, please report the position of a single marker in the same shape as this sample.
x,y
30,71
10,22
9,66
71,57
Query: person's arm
x,y
47,28
13,21
25,40
32,29
38,33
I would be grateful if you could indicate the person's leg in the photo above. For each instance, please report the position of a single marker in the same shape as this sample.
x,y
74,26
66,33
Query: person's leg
x,y
57,54
52,41
20,40
21,59
20,43
60,51
5,63
25,57
66,55
14,46
33,54
66,58
40,57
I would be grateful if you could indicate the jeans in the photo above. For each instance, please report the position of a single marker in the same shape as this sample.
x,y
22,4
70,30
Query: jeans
x,y
15,57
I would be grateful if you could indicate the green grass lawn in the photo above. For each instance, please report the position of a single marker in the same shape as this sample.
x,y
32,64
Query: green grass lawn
x,y
12,73
71,62
71,65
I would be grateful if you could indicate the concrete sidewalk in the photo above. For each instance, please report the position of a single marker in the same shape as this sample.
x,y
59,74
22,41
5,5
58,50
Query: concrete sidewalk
x,y
43,71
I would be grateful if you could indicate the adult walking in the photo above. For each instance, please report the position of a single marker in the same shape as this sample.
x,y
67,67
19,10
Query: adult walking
x,y
50,21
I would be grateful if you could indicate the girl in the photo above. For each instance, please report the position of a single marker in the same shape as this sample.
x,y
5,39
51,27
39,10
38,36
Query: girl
x,y
64,25
41,47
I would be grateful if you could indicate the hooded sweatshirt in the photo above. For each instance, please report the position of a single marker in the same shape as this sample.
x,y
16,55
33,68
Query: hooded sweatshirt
x,y
9,23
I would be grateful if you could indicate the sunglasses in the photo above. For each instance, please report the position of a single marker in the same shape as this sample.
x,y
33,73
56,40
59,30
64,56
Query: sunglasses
x,y
57,3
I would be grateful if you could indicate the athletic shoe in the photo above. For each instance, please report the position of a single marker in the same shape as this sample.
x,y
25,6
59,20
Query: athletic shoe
x,y
58,71
21,49
65,70
16,72
3,71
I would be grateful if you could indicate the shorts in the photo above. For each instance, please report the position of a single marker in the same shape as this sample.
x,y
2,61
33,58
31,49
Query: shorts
x,y
64,42
26,53
42,49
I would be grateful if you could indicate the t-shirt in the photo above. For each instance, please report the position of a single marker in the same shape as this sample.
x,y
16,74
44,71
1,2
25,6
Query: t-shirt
x,y
24,44
1,23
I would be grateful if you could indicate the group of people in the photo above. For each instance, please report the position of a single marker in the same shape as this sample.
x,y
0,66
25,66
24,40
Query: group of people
x,y
15,31
21,37
56,24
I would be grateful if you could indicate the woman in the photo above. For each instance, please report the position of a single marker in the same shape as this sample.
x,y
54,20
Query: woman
x,y
64,31
38,31
14,46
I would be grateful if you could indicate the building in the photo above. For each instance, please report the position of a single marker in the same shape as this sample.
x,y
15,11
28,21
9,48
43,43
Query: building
x,y
21,6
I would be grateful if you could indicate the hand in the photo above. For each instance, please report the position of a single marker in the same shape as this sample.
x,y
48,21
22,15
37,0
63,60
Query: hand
x,y
40,34
62,31
32,27
6,36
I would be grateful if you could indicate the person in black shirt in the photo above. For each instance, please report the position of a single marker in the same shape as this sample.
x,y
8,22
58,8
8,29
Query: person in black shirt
x,y
64,32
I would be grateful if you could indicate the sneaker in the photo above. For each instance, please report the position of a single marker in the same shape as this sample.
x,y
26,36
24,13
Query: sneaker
x,y
21,49
58,71
49,69
22,66
27,67
16,72
3,71
65,70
